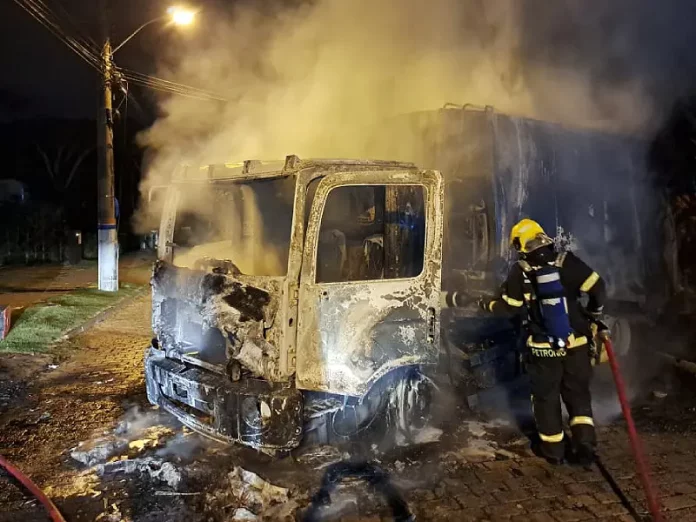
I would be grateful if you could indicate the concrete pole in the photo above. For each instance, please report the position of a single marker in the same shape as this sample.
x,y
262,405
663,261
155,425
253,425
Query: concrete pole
x,y
106,214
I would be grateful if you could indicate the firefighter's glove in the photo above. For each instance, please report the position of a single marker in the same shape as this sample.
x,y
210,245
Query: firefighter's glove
x,y
484,303
602,328
596,350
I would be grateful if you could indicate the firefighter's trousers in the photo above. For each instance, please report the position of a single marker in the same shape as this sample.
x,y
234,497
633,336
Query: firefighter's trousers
x,y
564,373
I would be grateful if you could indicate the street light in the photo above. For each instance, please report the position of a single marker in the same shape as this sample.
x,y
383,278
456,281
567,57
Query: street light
x,y
179,16
106,220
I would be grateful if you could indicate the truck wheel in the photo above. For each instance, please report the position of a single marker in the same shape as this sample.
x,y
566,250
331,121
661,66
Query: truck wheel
x,y
411,404
620,335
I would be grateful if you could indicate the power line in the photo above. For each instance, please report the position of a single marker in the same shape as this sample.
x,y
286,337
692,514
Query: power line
x,y
48,18
161,80
87,40
42,14
163,88
87,50
169,86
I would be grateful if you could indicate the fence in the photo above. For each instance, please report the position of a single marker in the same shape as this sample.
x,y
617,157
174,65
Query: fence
x,y
31,233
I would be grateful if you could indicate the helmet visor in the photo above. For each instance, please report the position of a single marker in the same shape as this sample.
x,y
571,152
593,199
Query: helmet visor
x,y
538,241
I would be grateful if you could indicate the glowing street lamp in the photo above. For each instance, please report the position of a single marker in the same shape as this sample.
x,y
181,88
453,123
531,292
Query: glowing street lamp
x,y
181,15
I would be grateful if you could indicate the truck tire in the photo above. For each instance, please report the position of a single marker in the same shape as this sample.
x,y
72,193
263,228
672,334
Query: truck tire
x,y
396,411
620,334
411,404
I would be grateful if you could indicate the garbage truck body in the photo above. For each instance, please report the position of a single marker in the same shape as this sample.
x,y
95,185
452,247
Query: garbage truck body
x,y
301,299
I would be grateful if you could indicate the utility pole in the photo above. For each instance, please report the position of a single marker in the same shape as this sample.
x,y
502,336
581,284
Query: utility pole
x,y
107,235
106,212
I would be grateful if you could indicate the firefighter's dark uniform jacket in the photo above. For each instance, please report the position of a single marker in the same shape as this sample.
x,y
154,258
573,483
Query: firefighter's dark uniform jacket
x,y
557,372
517,296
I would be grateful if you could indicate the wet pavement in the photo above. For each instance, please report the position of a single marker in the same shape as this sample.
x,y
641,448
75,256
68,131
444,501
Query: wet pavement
x,y
153,469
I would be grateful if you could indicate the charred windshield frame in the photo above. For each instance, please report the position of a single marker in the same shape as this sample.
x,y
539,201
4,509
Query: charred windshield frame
x,y
263,246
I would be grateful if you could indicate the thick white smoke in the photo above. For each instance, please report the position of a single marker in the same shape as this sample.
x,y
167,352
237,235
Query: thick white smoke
x,y
309,79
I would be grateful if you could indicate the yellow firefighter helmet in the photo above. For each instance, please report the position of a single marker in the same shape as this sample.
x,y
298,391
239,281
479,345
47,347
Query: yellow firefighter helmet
x,y
527,235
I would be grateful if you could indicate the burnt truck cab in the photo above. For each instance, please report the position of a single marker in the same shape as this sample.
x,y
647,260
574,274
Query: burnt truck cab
x,y
296,299
301,300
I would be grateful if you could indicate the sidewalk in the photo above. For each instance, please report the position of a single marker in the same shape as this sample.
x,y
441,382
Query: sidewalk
x,y
51,301
23,286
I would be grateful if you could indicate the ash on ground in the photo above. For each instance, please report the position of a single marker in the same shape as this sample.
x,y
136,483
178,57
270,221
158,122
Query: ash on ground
x,y
151,469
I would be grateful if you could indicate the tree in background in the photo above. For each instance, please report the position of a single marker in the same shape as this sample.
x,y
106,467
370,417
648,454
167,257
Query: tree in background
x,y
62,163
56,160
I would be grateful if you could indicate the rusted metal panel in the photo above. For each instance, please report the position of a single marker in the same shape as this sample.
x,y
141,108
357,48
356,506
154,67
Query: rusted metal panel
x,y
353,333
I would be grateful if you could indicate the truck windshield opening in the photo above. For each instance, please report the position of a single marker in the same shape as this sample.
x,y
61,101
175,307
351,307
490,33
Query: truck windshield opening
x,y
245,223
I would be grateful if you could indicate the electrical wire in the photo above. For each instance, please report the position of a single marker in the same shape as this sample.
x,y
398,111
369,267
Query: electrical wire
x,y
188,94
87,50
177,93
76,26
125,96
85,39
143,116
160,80
49,19
42,14
168,86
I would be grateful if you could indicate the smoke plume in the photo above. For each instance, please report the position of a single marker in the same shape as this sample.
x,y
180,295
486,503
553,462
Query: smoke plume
x,y
309,78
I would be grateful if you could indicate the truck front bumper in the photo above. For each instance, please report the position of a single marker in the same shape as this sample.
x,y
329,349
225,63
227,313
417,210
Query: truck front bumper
x,y
263,415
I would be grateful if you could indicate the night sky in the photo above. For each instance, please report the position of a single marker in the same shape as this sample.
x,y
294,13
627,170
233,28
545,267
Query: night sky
x,y
48,95
42,77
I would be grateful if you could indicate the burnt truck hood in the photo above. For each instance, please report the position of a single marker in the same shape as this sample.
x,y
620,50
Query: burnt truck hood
x,y
214,318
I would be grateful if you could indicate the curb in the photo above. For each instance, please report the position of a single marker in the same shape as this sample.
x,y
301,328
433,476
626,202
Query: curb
x,y
99,317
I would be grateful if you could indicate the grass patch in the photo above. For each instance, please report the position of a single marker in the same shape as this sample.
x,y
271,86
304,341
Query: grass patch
x,y
43,324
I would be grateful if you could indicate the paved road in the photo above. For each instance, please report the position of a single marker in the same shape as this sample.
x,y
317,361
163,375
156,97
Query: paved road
x,y
477,472
82,397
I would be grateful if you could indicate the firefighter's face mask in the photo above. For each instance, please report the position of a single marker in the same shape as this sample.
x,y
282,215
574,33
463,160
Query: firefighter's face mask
x,y
526,246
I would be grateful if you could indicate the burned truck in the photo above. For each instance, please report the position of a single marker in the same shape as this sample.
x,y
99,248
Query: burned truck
x,y
300,300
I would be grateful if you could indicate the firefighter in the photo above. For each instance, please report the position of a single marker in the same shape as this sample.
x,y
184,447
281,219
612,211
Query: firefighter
x,y
547,286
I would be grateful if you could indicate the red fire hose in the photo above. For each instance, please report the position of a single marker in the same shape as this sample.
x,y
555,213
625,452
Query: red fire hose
x,y
33,488
636,446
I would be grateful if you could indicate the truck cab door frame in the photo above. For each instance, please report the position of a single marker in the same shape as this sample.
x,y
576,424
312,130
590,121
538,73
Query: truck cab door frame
x,y
352,333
